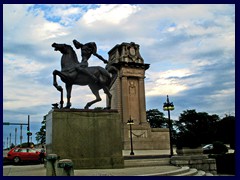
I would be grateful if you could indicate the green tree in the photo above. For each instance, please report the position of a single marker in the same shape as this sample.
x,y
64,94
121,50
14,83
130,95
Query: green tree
x,y
156,118
226,131
41,134
12,146
195,128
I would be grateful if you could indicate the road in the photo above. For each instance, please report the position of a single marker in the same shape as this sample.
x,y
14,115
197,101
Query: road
x,y
24,170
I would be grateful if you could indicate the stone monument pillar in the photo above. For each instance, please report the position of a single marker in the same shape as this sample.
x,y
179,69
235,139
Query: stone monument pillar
x,y
129,98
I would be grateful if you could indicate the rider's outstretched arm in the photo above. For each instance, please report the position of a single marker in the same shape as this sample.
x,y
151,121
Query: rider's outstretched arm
x,y
100,57
77,44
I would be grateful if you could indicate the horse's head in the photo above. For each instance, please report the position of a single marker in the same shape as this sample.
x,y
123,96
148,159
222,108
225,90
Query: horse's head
x,y
63,48
68,54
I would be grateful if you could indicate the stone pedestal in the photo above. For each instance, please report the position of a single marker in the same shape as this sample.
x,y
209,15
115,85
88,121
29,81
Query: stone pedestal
x,y
90,138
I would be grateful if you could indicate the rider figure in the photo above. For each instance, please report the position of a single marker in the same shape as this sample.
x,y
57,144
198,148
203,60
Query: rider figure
x,y
87,50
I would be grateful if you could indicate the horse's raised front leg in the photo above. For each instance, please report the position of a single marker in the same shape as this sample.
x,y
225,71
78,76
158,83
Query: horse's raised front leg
x,y
55,84
69,90
95,91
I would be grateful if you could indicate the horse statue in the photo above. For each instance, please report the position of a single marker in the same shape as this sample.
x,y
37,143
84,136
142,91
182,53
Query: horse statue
x,y
70,75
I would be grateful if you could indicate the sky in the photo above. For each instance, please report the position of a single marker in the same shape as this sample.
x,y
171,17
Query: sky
x,y
190,49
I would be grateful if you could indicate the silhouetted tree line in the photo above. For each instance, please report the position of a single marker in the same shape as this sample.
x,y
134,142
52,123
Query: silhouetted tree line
x,y
193,129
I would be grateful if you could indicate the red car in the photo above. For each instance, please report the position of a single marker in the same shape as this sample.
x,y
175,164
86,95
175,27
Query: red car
x,y
23,154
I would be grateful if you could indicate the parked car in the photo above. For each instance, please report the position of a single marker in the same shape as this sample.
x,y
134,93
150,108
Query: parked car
x,y
215,148
207,149
18,155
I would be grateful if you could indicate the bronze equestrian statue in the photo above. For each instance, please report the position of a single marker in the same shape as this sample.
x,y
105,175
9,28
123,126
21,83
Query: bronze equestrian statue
x,y
75,73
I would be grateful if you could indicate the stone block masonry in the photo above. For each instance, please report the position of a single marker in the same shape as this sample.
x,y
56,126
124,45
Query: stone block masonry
x,y
200,162
90,138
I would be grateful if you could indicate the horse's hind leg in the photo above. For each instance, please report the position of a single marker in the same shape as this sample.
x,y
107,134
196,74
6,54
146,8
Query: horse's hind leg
x,y
109,95
95,91
69,90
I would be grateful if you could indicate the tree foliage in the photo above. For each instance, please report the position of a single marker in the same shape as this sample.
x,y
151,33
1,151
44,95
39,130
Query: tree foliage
x,y
195,128
225,131
12,146
156,118
219,148
41,134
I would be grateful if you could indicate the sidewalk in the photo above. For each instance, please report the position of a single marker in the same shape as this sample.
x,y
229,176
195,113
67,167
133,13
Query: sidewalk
x,y
134,171
148,152
40,170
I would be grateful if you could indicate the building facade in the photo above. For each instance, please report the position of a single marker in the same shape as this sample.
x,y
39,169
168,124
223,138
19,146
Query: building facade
x,y
128,97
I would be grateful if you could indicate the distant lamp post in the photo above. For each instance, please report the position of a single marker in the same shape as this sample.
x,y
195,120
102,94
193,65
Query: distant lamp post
x,y
130,123
167,106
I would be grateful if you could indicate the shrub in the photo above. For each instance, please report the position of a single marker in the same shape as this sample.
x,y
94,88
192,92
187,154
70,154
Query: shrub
x,y
225,163
219,148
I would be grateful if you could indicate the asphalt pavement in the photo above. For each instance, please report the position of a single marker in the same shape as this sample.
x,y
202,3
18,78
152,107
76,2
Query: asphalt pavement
x,y
24,170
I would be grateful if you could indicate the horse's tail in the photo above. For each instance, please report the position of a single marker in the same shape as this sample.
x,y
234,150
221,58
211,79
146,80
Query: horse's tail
x,y
114,73
104,76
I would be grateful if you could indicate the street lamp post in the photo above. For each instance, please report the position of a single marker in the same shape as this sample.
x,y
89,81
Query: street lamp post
x,y
130,123
167,106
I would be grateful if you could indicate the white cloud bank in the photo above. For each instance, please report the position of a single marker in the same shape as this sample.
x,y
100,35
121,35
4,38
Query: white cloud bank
x,y
187,46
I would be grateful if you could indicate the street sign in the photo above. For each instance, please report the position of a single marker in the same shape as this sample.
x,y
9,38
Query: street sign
x,y
8,123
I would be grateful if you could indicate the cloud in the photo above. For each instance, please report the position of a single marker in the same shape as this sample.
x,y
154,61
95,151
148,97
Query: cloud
x,y
166,82
64,14
34,31
113,14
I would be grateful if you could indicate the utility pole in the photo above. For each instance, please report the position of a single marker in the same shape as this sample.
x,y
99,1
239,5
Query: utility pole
x,y
15,136
21,137
28,130
21,124
10,143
